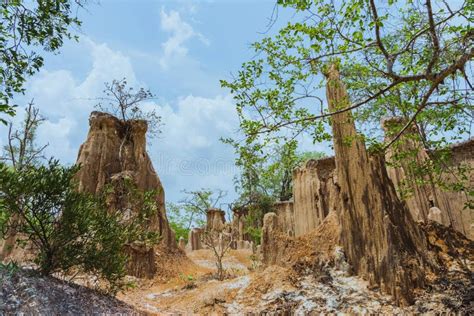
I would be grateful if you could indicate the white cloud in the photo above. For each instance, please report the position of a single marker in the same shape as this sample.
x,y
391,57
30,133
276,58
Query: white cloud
x,y
57,136
59,94
66,101
107,65
198,122
174,47
188,154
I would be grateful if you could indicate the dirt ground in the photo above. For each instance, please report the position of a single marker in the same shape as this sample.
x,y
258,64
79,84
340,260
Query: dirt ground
x,y
313,277
194,289
297,289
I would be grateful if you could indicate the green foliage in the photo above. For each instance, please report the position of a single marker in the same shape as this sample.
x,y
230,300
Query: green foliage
x,y
255,233
68,230
24,26
256,210
4,219
186,277
9,267
189,281
268,173
414,64
266,177
21,149
178,222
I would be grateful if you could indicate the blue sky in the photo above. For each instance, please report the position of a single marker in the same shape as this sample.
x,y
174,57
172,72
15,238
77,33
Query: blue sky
x,y
179,50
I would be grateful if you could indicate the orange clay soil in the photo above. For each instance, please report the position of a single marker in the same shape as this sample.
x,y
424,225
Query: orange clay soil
x,y
187,285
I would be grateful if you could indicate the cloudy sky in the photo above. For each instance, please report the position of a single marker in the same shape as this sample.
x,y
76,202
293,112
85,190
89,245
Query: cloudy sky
x,y
179,50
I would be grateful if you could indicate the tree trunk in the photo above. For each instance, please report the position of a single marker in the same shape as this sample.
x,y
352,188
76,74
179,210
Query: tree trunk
x,y
220,269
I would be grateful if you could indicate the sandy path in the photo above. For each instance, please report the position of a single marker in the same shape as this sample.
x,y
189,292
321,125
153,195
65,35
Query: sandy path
x,y
178,296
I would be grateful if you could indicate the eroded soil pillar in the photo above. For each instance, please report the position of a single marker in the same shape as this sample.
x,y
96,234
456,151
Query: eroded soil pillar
x,y
382,242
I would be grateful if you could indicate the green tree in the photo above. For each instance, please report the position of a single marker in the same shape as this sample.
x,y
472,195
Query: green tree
x,y
268,173
266,177
69,231
192,209
179,222
399,58
20,151
220,243
26,26
196,203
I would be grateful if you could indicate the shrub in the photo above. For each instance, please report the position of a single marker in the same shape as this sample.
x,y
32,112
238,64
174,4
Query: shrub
x,y
69,231
260,205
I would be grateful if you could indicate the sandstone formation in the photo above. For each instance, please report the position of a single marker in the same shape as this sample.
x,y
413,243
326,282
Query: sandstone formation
x,y
435,215
194,239
182,243
420,200
286,217
453,205
115,153
460,203
215,222
378,230
377,233
269,245
313,189
215,219
380,238
239,223
303,214
316,193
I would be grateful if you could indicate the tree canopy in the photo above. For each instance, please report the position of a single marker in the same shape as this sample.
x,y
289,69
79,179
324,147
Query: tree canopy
x,y
408,58
26,26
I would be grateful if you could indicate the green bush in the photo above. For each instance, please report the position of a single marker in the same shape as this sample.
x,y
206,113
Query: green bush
x,y
179,222
180,230
69,231
261,204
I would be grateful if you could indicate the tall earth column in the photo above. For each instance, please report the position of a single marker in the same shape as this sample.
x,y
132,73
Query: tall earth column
x,y
113,153
381,240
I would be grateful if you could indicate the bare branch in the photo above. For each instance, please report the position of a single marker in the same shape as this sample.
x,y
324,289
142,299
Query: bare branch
x,y
377,33
434,38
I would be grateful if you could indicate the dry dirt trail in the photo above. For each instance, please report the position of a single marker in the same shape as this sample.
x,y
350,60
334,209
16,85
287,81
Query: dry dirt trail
x,y
194,291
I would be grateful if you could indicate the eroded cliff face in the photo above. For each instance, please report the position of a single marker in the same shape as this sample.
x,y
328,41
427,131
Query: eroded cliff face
x,y
453,206
313,194
114,152
286,217
460,203
315,191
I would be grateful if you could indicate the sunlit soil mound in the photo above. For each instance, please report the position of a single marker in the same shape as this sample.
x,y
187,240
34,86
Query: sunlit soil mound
x,y
170,263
